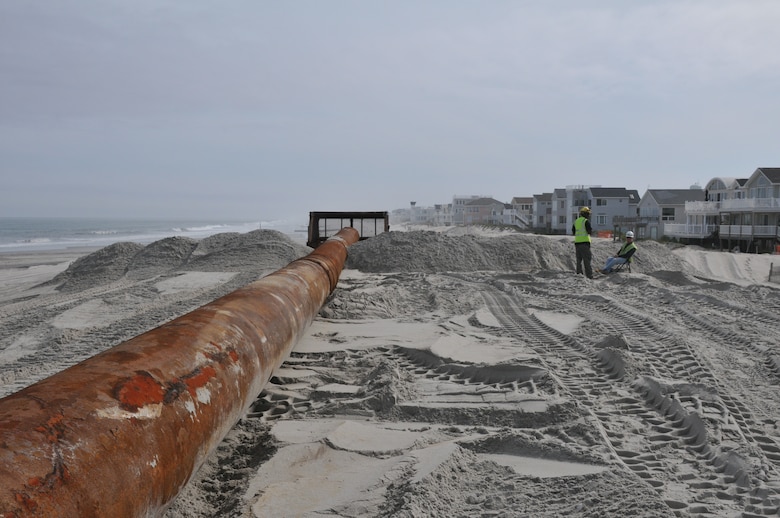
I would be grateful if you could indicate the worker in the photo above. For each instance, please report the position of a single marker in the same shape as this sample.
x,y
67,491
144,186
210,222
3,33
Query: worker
x,y
582,231
623,255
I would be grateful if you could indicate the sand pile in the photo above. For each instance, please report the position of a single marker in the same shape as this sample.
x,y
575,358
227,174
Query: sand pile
x,y
428,251
461,375
254,252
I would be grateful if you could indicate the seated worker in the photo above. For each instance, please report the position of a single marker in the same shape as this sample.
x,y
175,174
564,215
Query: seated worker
x,y
624,254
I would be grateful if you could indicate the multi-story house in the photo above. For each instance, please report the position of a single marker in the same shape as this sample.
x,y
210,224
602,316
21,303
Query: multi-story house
x,y
702,218
524,211
442,214
459,203
421,215
752,222
741,213
542,210
565,204
661,211
484,211
606,204
611,204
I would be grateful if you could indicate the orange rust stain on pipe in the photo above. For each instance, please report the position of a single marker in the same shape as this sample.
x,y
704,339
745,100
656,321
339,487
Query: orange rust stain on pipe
x,y
138,391
121,433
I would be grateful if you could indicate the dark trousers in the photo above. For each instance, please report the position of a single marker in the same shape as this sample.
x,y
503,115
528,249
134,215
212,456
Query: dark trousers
x,y
584,256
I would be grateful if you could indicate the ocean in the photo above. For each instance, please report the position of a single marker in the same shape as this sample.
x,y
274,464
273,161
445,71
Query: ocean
x,y
37,234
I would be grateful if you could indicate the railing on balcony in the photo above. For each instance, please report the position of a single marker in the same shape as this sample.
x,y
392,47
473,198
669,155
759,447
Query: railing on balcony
x,y
750,204
689,230
702,207
634,220
749,231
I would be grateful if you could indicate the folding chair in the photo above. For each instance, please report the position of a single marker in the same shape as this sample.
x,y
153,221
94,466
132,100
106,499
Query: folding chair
x,y
627,264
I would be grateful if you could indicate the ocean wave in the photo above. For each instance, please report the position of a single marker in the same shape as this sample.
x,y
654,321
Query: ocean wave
x,y
205,228
29,241
46,233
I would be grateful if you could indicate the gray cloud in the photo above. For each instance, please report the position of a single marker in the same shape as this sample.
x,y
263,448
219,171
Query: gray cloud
x,y
239,108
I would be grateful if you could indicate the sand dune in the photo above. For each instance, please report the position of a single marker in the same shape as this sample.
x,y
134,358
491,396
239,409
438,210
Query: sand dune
x,y
460,373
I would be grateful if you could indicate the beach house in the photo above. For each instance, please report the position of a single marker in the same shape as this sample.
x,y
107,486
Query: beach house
x,y
734,213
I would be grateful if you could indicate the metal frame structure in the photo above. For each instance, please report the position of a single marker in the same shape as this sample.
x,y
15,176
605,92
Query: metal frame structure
x,y
323,225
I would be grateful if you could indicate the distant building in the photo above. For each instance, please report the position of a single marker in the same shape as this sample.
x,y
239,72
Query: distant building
x,y
459,207
660,210
486,211
442,215
728,212
739,213
421,215
606,204
524,211
542,211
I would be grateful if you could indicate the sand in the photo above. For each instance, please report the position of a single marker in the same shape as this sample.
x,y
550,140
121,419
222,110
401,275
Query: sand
x,y
458,373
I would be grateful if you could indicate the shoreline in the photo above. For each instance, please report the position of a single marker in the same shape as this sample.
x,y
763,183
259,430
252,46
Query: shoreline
x,y
33,256
22,272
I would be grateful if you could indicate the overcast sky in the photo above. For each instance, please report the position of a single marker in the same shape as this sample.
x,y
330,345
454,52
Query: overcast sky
x,y
260,109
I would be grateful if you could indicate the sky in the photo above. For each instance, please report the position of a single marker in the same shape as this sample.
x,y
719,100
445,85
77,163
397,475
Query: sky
x,y
264,109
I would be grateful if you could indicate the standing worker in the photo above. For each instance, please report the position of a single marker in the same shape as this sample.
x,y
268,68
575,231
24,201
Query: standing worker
x,y
582,231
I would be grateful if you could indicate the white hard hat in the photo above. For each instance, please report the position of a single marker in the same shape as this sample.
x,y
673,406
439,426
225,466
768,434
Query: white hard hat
x,y
630,234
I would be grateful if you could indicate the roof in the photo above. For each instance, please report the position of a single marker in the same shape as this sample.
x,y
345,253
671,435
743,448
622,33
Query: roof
x,y
772,173
729,182
485,201
633,195
547,196
676,196
609,192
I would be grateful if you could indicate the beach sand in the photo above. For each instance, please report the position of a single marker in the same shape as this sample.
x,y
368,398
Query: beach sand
x,y
464,372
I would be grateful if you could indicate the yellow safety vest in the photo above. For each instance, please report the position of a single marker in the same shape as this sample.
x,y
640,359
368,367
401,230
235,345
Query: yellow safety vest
x,y
580,232
625,248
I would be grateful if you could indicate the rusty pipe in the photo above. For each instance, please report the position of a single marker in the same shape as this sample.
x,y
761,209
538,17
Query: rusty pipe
x,y
121,433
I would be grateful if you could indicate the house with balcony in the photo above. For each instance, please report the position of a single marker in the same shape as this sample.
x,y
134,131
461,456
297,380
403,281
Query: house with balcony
x,y
736,213
751,221
524,211
662,212
702,218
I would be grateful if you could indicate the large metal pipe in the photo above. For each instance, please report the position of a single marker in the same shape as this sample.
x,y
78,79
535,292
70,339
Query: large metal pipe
x,y
120,434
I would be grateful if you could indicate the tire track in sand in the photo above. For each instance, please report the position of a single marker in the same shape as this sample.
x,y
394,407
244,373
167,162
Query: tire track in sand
x,y
671,451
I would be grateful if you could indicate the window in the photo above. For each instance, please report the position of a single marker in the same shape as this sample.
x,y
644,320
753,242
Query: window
x,y
562,204
601,221
601,202
667,214
562,220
